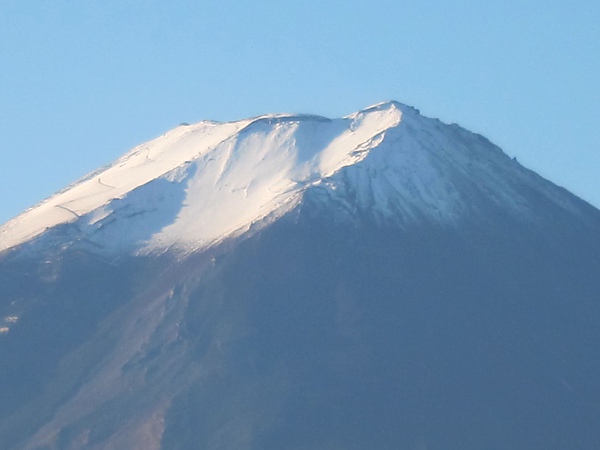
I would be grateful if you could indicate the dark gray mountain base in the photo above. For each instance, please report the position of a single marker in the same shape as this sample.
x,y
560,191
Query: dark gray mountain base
x,y
315,333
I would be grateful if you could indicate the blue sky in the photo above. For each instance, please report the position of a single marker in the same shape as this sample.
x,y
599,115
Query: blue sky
x,y
81,82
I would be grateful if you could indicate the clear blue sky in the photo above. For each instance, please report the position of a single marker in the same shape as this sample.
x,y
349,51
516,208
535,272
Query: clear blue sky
x,y
81,82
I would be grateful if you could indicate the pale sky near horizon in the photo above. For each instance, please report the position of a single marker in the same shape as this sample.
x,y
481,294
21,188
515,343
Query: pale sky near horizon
x,y
83,82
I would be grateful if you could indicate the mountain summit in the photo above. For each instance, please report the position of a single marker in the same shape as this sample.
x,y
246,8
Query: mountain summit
x,y
382,280
198,185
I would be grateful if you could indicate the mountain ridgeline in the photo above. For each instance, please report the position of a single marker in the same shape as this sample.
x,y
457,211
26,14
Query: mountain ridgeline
x,y
382,280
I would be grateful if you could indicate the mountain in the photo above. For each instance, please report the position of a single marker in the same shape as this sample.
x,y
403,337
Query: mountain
x,y
383,280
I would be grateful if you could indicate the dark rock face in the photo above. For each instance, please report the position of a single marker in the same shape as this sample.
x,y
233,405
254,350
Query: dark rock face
x,y
314,333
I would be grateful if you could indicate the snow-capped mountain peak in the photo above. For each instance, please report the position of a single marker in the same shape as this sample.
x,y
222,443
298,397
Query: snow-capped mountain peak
x,y
199,184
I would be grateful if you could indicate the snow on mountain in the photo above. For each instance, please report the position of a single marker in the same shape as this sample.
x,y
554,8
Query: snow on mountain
x,y
197,185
